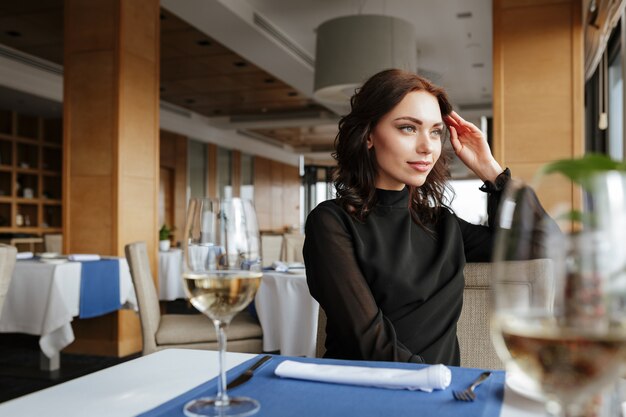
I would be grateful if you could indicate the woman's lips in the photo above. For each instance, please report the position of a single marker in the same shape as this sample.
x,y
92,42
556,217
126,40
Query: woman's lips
x,y
420,166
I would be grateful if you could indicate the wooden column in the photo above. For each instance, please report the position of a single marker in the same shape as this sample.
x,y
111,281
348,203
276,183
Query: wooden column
x,y
173,150
111,107
538,96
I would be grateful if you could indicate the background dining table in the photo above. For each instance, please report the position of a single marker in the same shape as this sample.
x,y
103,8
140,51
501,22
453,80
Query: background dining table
x,y
170,275
142,384
285,308
287,313
43,298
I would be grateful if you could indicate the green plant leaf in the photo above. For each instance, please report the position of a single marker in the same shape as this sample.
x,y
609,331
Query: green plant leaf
x,y
580,170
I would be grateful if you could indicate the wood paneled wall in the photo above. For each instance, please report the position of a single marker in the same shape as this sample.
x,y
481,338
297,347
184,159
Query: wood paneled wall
x,y
538,87
173,155
111,124
276,194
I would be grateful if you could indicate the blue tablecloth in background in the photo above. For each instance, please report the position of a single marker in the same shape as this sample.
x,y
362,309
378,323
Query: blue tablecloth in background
x,y
290,397
99,287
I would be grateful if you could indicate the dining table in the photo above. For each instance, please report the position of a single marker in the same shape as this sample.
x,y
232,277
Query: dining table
x,y
170,275
287,313
285,309
140,385
44,296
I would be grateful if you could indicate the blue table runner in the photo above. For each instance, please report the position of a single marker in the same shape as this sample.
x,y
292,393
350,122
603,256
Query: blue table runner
x,y
290,397
99,288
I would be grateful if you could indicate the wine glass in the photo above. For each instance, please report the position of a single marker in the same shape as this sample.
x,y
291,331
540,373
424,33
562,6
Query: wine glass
x,y
559,311
222,271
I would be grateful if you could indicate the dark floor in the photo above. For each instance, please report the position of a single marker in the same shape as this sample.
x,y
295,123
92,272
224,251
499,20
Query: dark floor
x,y
19,362
19,366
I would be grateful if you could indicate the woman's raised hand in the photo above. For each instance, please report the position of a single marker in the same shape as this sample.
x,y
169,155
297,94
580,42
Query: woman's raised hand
x,y
471,147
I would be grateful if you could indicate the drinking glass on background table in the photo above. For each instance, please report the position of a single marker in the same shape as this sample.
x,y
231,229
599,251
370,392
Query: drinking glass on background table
x,y
561,319
222,271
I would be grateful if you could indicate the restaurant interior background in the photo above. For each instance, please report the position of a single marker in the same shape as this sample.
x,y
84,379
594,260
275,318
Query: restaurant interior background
x,y
114,113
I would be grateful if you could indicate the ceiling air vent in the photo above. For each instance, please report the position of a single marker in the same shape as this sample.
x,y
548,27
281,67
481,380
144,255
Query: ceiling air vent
x,y
271,30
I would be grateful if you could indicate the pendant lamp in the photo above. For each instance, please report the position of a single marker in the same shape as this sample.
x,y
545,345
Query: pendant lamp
x,y
350,49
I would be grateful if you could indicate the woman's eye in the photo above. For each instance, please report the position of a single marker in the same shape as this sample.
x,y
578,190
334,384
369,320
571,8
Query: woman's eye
x,y
437,133
408,129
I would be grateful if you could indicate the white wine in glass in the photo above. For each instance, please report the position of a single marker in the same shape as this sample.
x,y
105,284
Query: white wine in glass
x,y
222,273
559,311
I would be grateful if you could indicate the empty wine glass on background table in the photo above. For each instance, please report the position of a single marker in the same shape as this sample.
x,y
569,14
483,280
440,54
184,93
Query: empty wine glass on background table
x,y
222,271
559,312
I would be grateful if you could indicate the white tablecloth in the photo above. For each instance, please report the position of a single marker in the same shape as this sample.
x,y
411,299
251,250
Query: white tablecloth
x,y
142,384
43,298
288,314
170,275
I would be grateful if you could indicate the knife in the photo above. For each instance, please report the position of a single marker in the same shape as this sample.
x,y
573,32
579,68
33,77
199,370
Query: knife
x,y
247,374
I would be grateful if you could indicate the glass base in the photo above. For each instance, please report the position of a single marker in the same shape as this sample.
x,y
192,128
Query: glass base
x,y
237,406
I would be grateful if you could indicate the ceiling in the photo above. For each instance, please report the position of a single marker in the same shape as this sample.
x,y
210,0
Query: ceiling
x,y
248,64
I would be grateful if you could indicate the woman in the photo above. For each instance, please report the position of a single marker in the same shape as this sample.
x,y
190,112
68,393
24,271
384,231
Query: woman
x,y
385,259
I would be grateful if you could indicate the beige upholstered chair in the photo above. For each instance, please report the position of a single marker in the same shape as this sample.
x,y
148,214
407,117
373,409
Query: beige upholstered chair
x,y
193,331
271,247
53,242
320,349
31,244
473,328
7,263
292,247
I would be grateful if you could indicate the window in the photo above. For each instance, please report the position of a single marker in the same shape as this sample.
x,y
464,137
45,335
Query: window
x,y
247,176
224,170
318,186
615,92
196,153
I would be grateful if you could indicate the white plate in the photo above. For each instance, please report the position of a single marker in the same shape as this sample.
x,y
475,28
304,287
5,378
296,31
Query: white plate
x,y
53,260
48,255
524,386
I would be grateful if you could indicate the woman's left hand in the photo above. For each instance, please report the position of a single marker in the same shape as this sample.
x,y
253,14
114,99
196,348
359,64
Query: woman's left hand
x,y
471,147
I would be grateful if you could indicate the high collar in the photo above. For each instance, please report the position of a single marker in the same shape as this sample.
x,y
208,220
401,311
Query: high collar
x,y
390,198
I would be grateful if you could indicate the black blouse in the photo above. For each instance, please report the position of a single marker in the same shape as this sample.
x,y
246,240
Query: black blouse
x,y
391,290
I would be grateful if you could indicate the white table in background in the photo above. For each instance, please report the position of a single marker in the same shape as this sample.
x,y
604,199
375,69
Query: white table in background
x,y
43,298
287,313
141,384
170,275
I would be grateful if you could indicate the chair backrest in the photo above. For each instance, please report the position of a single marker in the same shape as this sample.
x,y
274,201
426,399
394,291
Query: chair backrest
x,y
147,298
53,242
473,329
271,247
292,247
7,263
320,349
31,244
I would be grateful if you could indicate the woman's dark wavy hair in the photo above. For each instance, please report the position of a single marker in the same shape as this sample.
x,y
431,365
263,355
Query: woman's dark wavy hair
x,y
355,175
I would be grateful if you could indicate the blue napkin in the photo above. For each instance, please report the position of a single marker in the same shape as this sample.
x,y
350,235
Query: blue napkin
x,y
290,397
99,288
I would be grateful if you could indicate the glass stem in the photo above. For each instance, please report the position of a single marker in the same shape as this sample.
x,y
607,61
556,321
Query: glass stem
x,y
222,399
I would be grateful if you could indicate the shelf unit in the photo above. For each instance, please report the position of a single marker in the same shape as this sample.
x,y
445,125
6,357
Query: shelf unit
x,y
31,162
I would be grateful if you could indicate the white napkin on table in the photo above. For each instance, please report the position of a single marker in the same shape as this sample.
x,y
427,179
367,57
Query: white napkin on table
x,y
24,255
279,266
78,257
425,379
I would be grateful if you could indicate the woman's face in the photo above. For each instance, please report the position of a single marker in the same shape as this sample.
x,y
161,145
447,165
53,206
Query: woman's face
x,y
407,141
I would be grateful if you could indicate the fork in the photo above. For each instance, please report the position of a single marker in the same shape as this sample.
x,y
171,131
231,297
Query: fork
x,y
469,394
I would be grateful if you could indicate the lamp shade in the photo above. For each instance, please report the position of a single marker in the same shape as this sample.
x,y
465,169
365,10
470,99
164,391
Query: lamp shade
x,y
350,49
